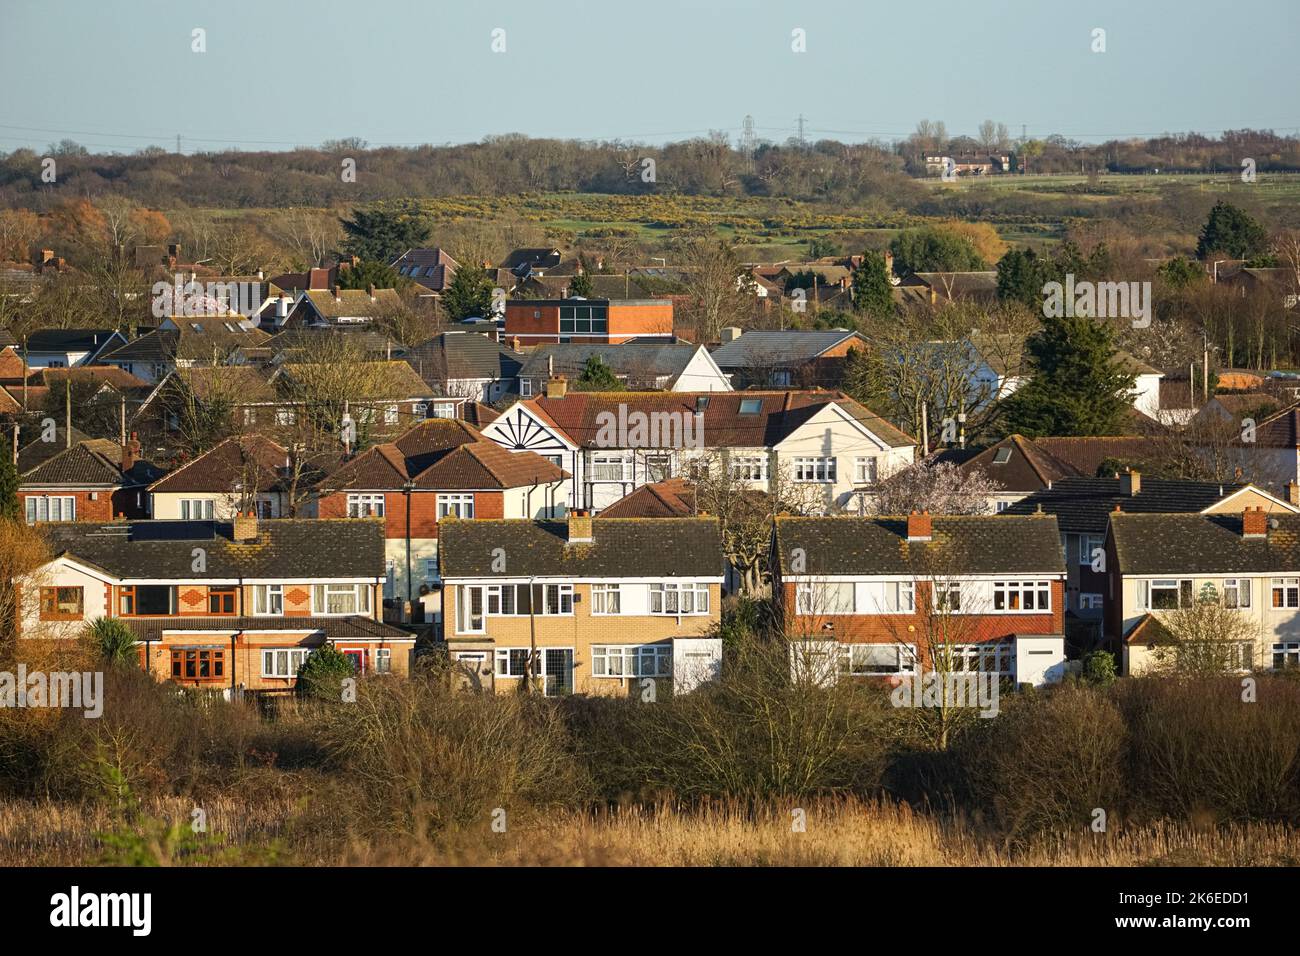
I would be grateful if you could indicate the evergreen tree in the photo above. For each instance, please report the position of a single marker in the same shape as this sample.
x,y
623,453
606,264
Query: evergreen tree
x,y
597,377
872,293
934,250
469,294
1021,277
1077,387
580,286
1231,231
371,272
383,232
8,488
1179,272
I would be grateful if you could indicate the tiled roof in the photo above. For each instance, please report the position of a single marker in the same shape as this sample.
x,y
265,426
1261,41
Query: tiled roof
x,y
241,384
353,626
621,548
195,339
1085,504
11,365
1026,468
463,355
67,340
1280,431
779,414
375,380
1203,544
674,498
442,453
1087,454
37,451
302,343
640,363
245,460
119,378
354,302
94,461
434,268
284,548
983,544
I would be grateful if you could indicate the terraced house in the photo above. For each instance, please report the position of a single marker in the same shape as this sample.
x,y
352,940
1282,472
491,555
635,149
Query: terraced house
x,y
1247,562
606,606
834,447
884,596
221,606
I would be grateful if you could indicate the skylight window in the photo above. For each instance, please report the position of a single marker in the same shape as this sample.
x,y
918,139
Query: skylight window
x,y
1002,457
751,406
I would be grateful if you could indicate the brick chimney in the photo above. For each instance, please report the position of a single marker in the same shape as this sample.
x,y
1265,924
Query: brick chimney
x,y
579,530
1293,493
557,387
1130,483
370,291
47,255
1254,523
919,527
245,527
334,291
130,453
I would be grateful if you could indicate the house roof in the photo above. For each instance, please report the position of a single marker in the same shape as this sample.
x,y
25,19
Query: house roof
x,y
443,454
640,362
454,356
1086,504
240,384
620,548
1087,454
674,498
68,340
778,414
524,259
395,379
1149,629
284,548
434,269
1015,463
781,349
304,342
118,378
1282,430
1203,544
351,303
92,461
353,626
12,367
974,544
200,338
241,460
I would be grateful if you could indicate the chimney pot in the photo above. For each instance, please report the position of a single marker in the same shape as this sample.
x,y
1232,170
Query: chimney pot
x,y
245,529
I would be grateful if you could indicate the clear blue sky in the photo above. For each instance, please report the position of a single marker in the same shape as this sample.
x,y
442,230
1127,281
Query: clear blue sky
x,y
120,75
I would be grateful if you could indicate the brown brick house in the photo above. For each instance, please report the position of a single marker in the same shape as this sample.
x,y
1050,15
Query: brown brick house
x,y
886,596
91,480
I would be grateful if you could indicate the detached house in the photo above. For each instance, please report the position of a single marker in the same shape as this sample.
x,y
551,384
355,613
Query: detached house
x,y
92,480
465,366
882,597
669,366
1247,561
792,359
614,442
610,606
440,469
431,269
245,617
67,348
334,306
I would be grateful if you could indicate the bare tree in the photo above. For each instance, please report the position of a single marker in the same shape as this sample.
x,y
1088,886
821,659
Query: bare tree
x,y
720,287
1210,636
941,488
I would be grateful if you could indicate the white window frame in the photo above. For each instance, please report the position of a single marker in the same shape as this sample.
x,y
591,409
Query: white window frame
x,y
1288,651
1289,588
286,416
321,594
819,470
503,595
905,655
1087,544
462,506
196,509
1241,591
699,596
1090,601
599,465
606,599
38,508
814,598
465,618
444,409
383,660
268,597
949,588
621,661
1002,654
365,505
271,657
504,660
525,388
1037,589
392,414
749,468
865,471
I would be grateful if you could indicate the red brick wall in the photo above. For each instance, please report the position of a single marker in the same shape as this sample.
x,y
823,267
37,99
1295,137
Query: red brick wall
x,y
520,321
87,510
424,510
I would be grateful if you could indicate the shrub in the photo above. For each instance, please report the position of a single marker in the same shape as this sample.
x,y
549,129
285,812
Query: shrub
x,y
1099,668
322,675
113,641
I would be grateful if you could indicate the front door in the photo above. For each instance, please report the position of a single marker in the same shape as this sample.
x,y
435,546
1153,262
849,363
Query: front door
x,y
557,671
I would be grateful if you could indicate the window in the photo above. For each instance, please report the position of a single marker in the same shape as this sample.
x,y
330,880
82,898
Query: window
x,y
512,661
284,662
631,660
605,599
519,600
525,388
947,596
1089,602
221,600
268,599
198,663
1236,592
1286,592
749,468
1002,456
781,378
1003,505
866,660
469,610
444,409
383,660
1286,654
419,410
461,506
390,579
658,467
814,469
1170,595
285,416
56,508
607,468
673,597
390,414
1088,543
583,319
991,658
340,599
365,506
824,597
62,604
900,597
147,600
196,509
751,406
864,471
1022,595
250,416
430,570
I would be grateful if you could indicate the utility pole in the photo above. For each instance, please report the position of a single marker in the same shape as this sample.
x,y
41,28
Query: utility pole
x,y
67,402
802,144
178,144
